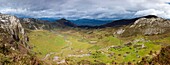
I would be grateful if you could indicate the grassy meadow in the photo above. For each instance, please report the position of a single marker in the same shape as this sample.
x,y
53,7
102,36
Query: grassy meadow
x,y
78,47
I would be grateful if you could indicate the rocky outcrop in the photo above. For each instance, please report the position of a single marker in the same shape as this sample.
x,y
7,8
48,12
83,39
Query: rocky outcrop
x,y
146,26
152,26
14,48
12,26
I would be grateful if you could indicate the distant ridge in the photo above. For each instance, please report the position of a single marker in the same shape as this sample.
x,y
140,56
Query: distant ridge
x,y
90,22
48,19
65,22
126,21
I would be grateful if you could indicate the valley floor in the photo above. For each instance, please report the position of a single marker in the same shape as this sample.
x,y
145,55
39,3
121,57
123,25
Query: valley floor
x,y
99,46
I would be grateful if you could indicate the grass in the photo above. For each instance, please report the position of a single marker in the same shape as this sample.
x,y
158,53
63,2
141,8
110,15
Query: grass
x,y
133,54
95,47
110,40
164,40
46,42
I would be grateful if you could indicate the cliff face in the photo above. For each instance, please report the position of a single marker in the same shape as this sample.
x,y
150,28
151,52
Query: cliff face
x,y
10,25
14,48
153,25
146,26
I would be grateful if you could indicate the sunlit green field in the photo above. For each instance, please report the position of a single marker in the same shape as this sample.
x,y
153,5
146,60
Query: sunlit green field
x,y
45,42
63,46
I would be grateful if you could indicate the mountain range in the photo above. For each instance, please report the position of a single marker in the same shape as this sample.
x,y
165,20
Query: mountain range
x,y
142,40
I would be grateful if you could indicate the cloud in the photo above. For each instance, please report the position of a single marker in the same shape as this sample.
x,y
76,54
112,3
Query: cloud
x,y
161,13
95,9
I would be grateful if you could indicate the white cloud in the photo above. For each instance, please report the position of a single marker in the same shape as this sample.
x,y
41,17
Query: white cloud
x,y
149,12
86,8
10,10
160,13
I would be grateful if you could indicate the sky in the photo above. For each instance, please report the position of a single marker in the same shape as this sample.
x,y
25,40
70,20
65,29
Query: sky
x,y
91,9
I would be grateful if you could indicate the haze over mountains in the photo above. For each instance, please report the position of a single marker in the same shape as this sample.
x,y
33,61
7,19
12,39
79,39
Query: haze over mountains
x,y
97,22
80,9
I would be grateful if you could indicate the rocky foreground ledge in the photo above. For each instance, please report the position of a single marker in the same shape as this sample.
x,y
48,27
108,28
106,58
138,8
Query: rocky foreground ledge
x,y
14,48
161,59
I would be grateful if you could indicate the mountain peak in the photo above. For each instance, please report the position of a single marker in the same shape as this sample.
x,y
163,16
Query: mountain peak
x,y
63,19
150,16
65,22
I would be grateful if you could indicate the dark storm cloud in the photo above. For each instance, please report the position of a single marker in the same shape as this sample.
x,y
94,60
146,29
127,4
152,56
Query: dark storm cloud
x,y
85,8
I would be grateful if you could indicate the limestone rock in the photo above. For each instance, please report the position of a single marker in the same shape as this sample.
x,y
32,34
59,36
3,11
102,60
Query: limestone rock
x,y
146,26
12,26
14,48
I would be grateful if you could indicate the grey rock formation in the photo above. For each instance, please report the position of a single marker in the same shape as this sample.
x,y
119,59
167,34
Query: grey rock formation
x,y
12,26
14,48
147,26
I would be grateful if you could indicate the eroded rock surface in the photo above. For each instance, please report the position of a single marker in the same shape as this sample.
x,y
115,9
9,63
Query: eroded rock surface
x,y
12,26
14,48
147,26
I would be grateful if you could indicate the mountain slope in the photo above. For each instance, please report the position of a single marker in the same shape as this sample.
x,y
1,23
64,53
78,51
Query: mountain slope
x,y
64,22
122,22
146,26
14,48
35,24
89,22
